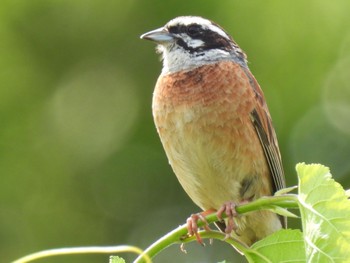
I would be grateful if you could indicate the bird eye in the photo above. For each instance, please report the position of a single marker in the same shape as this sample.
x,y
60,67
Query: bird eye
x,y
193,30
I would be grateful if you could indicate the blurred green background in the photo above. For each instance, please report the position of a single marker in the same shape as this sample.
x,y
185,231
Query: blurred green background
x,y
80,161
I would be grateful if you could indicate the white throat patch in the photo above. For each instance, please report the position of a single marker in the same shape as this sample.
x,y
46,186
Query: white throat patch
x,y
176,58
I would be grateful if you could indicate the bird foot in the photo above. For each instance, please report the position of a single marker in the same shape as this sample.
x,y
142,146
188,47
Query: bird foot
x,y
192,225
229,208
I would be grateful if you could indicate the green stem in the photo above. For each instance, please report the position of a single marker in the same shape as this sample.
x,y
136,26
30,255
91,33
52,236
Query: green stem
x,y
81,250
179,235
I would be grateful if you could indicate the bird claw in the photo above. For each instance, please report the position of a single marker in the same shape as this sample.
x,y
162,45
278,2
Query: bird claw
x,y
192,226
230,210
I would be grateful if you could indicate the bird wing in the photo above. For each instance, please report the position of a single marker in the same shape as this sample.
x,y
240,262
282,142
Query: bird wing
x,y
263,126
262,123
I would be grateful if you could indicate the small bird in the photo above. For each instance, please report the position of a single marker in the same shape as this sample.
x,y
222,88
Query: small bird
x,y
215,127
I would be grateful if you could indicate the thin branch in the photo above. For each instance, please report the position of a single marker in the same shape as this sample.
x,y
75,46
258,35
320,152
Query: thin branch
x,y
82,250
179,235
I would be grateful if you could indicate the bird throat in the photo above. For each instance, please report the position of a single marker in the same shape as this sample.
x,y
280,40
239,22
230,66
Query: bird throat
x,y
175,58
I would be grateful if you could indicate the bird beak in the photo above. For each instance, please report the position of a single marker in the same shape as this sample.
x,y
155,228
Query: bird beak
x,y
160,35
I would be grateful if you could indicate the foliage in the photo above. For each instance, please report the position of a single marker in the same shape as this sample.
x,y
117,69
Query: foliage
x,y
116,259
325,213
325,236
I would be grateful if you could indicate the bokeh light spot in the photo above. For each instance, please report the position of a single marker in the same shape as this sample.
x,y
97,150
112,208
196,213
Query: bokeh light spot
x,y
336,93
93,110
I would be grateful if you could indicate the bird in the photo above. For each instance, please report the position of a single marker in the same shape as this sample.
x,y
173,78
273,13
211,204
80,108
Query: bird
x,y
215,126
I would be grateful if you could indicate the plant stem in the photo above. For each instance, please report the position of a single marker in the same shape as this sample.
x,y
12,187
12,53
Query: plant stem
x,y
179,235
80,250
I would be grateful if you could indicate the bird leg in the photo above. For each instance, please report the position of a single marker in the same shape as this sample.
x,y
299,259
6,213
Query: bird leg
x,y
229,208
192,224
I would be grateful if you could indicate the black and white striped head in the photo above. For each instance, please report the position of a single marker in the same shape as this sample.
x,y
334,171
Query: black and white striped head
x,y
188,42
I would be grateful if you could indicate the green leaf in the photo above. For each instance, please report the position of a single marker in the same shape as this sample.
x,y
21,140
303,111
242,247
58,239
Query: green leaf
x,y
285,190
283,212
281,246
116,259
325,213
